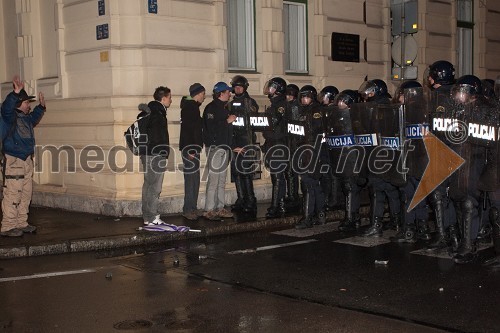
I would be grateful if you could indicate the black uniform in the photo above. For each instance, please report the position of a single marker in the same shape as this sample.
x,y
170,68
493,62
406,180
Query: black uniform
x,y
243,163
310,165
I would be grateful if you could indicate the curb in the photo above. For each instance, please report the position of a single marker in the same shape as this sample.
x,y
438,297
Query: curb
x,y
145,238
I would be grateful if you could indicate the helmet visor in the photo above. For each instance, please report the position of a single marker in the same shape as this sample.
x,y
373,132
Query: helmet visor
x,y
269,88
366,89
461,93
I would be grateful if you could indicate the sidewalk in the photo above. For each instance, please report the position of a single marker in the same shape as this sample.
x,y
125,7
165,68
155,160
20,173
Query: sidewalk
x,y
65,232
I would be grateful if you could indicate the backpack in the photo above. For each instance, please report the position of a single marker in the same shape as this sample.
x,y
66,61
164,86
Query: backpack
x,y
136,135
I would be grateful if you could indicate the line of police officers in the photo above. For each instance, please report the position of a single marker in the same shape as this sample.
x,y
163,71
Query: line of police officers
x,y
334,144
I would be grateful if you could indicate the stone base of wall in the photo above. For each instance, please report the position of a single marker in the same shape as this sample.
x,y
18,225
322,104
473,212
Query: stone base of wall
x,y
109,207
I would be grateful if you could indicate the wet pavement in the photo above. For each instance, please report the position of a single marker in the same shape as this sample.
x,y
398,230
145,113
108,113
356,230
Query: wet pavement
x,y
65,232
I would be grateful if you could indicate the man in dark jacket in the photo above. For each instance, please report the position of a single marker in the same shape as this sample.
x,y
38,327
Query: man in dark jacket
x,y
217,139
155,161
190,144
18,147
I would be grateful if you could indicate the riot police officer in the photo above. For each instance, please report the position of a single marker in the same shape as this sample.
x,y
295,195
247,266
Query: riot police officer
x,y
275,149
243,140
292,91
329,183
351,183
440,77
375,92
309,154
292,199
410,95
464,192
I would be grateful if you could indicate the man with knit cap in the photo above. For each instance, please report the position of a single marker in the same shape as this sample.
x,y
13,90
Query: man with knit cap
x,y
191,144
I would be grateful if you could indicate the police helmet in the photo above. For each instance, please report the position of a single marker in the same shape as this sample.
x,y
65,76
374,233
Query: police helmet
x,y
239,80
466,87
308,91
377,87
275,86
410,85
442,72
346,98
292,90
327,95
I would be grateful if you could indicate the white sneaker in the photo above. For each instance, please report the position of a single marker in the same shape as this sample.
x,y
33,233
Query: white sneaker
x,y
156,221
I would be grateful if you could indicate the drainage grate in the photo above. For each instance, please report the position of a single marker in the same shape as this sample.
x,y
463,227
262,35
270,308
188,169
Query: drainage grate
x,y
132,325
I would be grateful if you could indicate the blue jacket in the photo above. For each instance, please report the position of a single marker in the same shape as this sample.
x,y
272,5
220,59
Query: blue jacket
x,y
18,128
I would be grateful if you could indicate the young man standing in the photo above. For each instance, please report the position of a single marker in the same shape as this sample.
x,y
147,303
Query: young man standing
x,y
217,139
190,144
18,147
154,162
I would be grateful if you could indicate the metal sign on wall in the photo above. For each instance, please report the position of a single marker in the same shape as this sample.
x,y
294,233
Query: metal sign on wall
x,y
345,47
101,7
102,31
153,6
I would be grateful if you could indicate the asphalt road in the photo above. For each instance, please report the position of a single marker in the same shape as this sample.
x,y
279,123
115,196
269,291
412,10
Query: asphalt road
x,y
317,280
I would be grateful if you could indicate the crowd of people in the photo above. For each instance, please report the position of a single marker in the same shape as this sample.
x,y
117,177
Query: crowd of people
x,y
329,146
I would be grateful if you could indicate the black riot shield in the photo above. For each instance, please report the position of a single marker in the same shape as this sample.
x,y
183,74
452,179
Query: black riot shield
x,y
387,161
466,178
362,120
443,123
483,124
416,127
340,141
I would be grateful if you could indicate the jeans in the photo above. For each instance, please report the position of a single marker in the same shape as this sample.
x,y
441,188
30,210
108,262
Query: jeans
x,y
154,170
217,162
191,181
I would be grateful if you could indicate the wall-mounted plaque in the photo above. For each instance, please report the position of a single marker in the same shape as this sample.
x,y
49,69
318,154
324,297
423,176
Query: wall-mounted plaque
x,y
102,31
101,7
345,47
153,6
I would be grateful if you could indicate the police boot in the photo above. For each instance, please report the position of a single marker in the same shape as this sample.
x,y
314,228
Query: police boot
x,y
484,235
238,205
277,206
441,240
407,234
320,218
466,252
494,217
250,203
394,223
337,201
326,186
423,232
293,201
307,220
454,237
348,223
376,228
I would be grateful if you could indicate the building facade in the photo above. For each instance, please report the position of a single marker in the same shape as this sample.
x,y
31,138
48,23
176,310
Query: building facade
x,y
96,60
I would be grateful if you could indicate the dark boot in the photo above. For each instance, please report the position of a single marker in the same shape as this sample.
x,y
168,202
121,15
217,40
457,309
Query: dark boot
x,y
454,238
441,240
348,223
307,220
395,223
494,217
376,228
326,186
320,219
407,234
277,205
466,252
238,205
423,232
250,203
292,199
